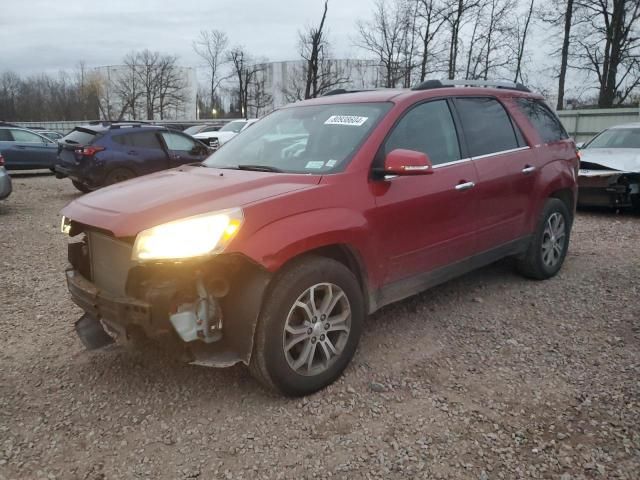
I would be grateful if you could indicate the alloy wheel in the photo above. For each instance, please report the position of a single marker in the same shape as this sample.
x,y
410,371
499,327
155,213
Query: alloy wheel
x,y
317,329
553,239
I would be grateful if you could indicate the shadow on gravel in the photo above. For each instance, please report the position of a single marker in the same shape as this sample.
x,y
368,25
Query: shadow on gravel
x,y
610,212
30,173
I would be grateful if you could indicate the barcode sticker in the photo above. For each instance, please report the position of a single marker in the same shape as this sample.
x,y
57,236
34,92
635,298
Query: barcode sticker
x,y
351,120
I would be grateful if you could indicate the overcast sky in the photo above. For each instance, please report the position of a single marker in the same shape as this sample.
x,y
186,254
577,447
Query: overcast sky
x,y
46,35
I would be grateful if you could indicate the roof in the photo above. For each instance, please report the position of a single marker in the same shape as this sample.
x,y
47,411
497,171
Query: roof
x,y
104,126
398,95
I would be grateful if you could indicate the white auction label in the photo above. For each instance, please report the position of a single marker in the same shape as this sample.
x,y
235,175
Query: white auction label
x,y
351,120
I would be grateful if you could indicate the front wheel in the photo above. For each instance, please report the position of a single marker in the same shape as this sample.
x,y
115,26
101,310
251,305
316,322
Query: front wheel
x,y
549,245
309,327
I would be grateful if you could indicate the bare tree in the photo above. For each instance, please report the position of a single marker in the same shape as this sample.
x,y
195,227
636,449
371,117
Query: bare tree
x,y
171,85
313,43
457,16
388,36
564,19
259,100
211,46
521,40
610,47
431,18
245,70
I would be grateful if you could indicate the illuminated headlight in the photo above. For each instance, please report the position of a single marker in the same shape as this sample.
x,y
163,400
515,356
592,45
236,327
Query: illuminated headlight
x,y
197,236
65,225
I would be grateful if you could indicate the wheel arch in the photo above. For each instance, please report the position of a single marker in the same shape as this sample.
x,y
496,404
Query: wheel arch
x,y
348,256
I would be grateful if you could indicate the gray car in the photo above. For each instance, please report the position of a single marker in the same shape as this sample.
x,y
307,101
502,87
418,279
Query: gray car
x,y
24,149
5,181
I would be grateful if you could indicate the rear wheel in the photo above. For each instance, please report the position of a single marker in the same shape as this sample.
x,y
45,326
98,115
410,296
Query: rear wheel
x,y
118,175
548,248
81,186
309,327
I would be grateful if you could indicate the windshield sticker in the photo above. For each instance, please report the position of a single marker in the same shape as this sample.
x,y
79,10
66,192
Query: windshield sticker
x,y
331,163
315,164
351,120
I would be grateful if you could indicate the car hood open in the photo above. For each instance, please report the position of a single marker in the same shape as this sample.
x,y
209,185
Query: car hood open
x,y
618,159
128,208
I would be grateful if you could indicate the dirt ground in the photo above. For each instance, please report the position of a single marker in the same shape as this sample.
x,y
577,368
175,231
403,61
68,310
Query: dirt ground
x,y
490,376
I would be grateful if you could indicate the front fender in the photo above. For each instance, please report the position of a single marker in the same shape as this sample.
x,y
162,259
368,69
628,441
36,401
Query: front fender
x,y
278,242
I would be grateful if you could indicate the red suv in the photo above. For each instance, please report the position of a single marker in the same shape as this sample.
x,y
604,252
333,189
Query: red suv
x,y
274,250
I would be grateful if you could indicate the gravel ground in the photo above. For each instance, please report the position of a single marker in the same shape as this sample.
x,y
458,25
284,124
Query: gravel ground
x,y
487,377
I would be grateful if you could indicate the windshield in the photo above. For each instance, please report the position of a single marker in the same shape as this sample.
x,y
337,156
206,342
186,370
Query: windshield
x,y
234,127
312,139
617,138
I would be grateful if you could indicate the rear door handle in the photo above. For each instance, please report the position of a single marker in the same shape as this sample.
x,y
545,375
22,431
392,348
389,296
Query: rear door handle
x,y
528,169
465,186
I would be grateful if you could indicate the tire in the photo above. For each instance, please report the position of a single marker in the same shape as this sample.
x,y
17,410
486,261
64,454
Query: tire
x,y
81,186
276,366
118,175
547,250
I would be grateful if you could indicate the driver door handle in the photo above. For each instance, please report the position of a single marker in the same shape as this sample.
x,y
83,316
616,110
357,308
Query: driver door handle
x,y
528,169
465,186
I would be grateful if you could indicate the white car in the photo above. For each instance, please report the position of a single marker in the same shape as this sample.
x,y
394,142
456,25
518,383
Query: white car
x,y
216,139
609,173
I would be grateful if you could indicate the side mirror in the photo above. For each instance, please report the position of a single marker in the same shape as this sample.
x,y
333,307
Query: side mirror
x,y
407,162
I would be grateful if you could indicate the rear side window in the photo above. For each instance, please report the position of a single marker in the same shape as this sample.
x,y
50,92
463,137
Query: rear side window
x,y
543,119
5,135
80,137
26,137
139,140
487,126
175,141
427,128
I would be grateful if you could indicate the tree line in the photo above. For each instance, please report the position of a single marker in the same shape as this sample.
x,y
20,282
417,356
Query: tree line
x,y
594,48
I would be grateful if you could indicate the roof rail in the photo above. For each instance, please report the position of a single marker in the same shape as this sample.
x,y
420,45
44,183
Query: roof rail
x,y
429,84
340,91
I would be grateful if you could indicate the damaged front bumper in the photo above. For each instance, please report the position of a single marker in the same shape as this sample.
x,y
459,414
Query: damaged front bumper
x,y
608,188
204,311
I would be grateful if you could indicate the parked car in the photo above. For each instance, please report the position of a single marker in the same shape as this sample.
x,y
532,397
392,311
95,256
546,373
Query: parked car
x,y
55,136
272,253
101,154
26,150
215,139
206,128
5,181
610,168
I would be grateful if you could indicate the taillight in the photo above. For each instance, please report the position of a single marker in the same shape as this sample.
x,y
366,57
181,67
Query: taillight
x,y
89,151
1,161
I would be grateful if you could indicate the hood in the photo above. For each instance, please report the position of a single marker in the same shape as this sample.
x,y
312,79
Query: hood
x,y
221,136
620,159
127,208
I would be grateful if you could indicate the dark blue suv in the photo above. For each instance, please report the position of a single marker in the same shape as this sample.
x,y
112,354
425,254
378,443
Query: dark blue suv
x,y
101,154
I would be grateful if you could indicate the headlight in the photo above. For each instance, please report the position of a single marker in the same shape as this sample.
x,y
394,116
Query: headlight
x,y
65,225
190,237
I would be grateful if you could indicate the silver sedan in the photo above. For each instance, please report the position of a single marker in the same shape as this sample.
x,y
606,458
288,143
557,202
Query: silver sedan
x,y
5,182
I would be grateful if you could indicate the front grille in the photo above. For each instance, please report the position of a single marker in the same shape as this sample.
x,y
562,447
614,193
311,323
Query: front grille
x,y
110,262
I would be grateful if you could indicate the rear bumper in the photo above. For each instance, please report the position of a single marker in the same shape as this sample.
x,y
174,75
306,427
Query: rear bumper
x,y
5,184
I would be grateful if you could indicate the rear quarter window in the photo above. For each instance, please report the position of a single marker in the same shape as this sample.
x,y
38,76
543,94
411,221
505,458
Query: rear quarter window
x,y
543,119
80,137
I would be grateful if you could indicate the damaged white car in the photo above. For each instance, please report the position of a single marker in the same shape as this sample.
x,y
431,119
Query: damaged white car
x,y
610,169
